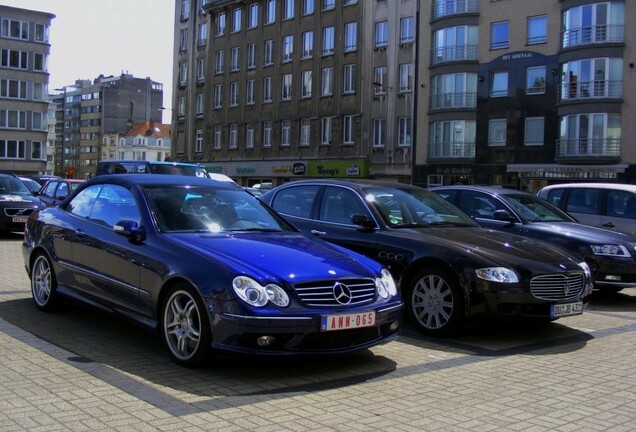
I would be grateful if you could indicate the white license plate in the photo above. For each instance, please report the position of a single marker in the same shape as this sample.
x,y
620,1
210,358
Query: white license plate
x,y
20,219
566,309
347,321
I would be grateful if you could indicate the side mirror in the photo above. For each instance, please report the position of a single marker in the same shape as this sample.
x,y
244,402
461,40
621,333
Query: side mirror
x,y
362,221
503,215
130,229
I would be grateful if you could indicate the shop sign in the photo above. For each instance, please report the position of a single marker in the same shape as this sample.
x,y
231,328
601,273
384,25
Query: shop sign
x,y
339,168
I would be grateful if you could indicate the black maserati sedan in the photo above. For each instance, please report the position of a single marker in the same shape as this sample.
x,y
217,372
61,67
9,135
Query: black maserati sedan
x,y
447,267
611,255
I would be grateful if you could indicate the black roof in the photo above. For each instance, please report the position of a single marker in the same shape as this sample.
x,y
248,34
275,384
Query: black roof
x,y
128,180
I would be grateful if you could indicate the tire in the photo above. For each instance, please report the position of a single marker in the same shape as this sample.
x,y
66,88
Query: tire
x,y
434,302
43,283
184,326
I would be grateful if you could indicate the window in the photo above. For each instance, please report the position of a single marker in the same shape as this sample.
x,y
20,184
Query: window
x,y
220,24
455,44
251,56
592,78
200,104
499,35
534,131
13,119
218,96
537,30
499,86
39,62
12,149
308,7
288,48
201,70
288,9
379,132
268,57
497,132
327,82
381,34
41,33
328,4
267,133
17,89
252,20
15,59
235,60
594,22
185,10
233,136
349,78
325,130
15,29
181,107
37,121
379,80
407,30
219,59
249,92
198,143
327,40
37,150
406,78
249,136
203,34
286,87
234,93
183,39
183,74
404,131
267,89
270,15
348,132
349,2
308,44
237,18
535,80
306,84
218,137
305,132
285,133
351,36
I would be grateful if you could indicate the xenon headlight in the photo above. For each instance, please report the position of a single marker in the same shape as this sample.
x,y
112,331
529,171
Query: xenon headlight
x,y
255,294
610,250
497,274
586,269
385,284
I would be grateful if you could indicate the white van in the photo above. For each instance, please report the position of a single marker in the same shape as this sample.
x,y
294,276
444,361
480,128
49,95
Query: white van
x,y
605,205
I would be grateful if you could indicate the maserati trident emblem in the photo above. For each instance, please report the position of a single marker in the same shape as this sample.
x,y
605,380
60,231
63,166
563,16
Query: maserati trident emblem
x,y
566,289
342,293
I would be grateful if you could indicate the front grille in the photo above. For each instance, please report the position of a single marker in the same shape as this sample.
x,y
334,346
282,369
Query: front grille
x,y
11,212
556,287
321,293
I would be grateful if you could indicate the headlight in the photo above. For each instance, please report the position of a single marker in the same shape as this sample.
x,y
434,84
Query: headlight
x,y
586,269
497,274
254,294
385,284
611,250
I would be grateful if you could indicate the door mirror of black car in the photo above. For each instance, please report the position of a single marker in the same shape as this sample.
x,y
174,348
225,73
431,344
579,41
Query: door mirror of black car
x,y
363,221
130,229
503,215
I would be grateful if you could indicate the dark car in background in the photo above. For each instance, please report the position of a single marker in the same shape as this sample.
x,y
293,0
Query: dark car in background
x,y
209,266
33,185
610,255
16,203
448,268
149,167
57,190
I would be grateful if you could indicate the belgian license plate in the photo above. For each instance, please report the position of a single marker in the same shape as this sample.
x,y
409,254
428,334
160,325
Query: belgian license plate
x,y
566,309
347,321
19,219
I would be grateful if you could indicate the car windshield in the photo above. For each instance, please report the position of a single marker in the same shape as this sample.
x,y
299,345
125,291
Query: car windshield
x,y
13,186
411,207
210,209
535,209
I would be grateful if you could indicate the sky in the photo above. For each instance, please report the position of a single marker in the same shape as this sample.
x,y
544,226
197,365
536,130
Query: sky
x,y
109,37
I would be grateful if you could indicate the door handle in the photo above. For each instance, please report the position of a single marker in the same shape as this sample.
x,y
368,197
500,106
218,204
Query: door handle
x,y
80,233
318,233
609,225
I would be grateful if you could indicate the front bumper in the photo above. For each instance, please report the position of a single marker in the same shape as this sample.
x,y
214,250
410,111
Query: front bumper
x,y
615,273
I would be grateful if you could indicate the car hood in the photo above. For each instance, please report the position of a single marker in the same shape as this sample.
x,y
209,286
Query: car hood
x,y
585,233
20,200
290,256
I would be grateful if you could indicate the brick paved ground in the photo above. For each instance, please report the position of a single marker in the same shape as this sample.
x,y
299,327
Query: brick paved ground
x,y
82,370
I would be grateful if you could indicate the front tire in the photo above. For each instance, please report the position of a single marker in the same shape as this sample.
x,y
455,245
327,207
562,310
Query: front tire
x,y
43,283
435,302
184,326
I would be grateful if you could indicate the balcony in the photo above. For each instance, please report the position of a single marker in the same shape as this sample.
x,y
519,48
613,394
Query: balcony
x,y
444,8
451,150
597,149
586,90
453,101
595,34
454,53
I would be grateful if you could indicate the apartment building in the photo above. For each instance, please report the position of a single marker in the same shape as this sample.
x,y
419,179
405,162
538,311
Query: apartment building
x,y
147,141
525,93
269,91
24,77
90,112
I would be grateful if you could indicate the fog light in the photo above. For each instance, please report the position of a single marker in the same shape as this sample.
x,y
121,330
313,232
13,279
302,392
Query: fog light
x,y
613,278
394,325
265,341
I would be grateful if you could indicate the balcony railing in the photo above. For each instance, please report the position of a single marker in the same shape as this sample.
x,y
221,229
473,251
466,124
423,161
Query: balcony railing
x,y
588,148
595,34
453,101
454,53
451,150
583,90
442,8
